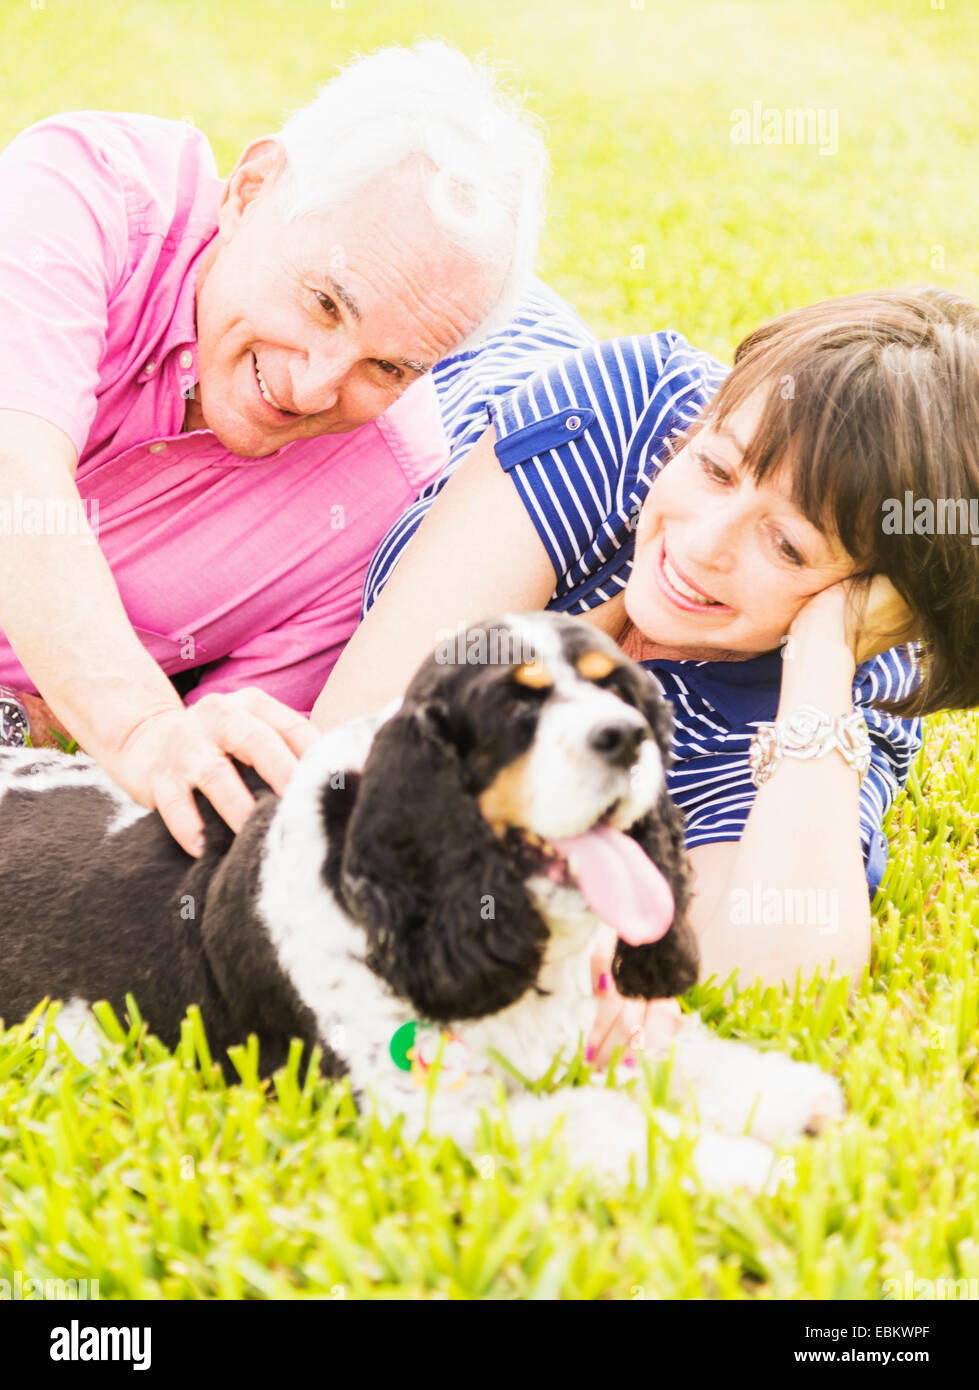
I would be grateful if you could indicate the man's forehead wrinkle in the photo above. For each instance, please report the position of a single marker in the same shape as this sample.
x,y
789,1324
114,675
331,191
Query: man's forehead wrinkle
x,y
422,253
388,265
426,303
302,270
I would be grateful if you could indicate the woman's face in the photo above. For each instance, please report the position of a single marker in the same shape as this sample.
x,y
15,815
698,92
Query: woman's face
x,y
706,526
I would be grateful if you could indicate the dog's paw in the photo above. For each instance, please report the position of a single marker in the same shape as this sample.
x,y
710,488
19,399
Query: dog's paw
x,y
736,1088
607,1132
788,1099
604,1130
74,1024
725,1162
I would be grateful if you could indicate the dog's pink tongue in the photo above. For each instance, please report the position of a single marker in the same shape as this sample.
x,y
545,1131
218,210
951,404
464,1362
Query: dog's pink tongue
x,y
620,884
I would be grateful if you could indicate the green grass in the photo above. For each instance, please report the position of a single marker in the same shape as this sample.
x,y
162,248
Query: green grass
x,y
152,1175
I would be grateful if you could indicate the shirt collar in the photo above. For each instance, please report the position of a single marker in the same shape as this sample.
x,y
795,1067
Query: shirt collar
x,y
181,336
181,332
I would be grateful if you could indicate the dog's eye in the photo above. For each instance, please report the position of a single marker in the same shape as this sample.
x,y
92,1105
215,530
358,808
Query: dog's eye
x,y
619,683
524,701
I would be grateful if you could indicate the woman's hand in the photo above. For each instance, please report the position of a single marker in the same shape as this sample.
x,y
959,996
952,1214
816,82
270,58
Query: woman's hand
x,y
169,753
634,1024
867,614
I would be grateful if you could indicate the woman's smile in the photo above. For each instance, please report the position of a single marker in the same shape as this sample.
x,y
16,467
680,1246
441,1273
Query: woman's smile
x,y
682,592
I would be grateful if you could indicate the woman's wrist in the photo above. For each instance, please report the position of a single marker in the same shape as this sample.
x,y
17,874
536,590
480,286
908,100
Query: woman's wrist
x,y
817,669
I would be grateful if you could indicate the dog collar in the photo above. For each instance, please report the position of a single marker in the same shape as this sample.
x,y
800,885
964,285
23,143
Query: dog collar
x,y
415,1047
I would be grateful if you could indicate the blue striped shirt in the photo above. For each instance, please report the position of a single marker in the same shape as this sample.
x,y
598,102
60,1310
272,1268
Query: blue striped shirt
x,y
581,430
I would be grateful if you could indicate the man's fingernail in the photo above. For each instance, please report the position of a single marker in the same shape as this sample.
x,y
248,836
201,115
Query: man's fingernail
x,y
604,983
589,1053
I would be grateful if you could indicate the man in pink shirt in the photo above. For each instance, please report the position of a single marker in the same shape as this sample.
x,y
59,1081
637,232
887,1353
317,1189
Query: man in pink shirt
x,y
214,402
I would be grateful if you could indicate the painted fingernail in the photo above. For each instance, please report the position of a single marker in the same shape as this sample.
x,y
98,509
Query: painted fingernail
x,y
630,1061
604,983
589,1053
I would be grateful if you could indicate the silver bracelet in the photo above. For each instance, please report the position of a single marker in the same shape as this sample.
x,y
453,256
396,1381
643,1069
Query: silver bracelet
x,y
809,733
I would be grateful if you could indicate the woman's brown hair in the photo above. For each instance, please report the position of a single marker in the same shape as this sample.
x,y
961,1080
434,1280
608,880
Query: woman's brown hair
x,y
875,396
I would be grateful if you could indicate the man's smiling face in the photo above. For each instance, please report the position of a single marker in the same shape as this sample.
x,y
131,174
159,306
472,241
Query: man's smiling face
x,y
316,326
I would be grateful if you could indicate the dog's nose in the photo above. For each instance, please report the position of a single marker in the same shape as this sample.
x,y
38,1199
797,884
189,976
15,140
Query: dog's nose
x,y
618,742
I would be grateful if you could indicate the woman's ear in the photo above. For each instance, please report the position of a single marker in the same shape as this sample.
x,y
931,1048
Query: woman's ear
x,y
669,966
449,925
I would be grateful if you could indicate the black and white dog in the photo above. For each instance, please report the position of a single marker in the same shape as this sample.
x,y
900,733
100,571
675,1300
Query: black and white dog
x,y
426,893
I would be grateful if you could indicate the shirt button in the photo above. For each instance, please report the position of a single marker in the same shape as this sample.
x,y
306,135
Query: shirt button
x,y
186,358
158,447
573,422
150,368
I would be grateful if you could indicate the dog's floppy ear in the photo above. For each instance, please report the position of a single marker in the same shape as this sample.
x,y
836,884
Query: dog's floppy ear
x,y
668,966
449,926
658,713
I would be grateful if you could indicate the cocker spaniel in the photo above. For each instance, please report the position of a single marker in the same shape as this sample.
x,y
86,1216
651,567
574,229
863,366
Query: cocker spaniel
x,y
421,904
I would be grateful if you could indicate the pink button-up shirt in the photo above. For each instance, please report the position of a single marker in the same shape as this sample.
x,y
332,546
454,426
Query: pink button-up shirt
x,y
250,567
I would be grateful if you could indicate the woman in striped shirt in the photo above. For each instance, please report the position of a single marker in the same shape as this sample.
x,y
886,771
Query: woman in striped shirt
x,y
742,554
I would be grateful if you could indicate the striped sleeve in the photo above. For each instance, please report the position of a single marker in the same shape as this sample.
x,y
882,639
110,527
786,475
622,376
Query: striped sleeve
x,y
543,331
582,441
894,745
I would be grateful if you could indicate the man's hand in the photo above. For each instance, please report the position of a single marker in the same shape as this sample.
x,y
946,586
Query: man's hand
x,y
634,1024
169,753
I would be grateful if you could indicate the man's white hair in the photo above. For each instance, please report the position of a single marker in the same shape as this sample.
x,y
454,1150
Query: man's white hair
x,y
488,159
